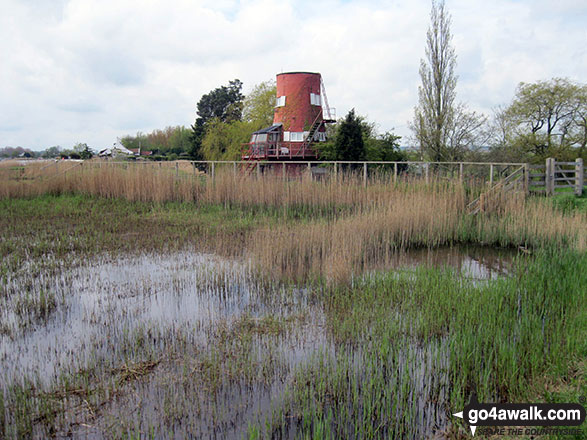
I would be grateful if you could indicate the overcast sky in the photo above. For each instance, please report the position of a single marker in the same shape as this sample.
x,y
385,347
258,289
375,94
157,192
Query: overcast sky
x,y
94,70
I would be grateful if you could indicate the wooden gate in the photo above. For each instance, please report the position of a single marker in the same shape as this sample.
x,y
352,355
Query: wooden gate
x,y
555,175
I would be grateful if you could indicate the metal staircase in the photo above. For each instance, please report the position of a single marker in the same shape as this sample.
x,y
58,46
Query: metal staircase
x,y
309,140
329,114
250,167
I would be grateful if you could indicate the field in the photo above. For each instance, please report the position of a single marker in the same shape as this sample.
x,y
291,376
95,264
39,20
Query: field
x,y
156,303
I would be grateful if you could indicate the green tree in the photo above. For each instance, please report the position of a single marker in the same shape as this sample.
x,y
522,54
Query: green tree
x,y
259,105
224,103
372,146
384,147
546,118
349,143
51,152
140,140
179,140
176,140
444,130
222,139
81,151
437,93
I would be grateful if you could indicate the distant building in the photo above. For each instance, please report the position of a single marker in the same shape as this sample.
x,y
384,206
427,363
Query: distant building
x,y
139,152
117,150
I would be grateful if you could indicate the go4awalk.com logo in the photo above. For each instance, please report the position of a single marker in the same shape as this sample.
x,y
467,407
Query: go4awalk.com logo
x,y
513,415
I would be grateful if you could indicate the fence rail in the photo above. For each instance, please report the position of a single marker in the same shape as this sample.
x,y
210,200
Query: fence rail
x,y
494,176
480,172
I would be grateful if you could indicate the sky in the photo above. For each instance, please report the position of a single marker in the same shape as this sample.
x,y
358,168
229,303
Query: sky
x,y
93,71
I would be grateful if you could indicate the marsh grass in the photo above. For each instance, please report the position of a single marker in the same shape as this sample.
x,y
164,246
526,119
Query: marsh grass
x,y
411,340
335,228
398,351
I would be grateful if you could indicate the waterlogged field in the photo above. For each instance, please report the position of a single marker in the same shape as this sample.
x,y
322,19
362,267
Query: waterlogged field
x,y
330,312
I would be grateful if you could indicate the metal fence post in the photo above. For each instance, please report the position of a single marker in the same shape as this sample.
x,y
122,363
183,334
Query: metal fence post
x,y
234,169
258,170
213,173
549,176
394,172
427,172
176,169
364,173
461,172
491,175
579,177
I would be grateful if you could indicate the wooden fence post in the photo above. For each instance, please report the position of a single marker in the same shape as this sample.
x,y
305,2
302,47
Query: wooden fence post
x,y
579,177
364,174
176,169
527,178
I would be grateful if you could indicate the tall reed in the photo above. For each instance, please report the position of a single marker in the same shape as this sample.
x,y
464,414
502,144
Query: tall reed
x,y
347,227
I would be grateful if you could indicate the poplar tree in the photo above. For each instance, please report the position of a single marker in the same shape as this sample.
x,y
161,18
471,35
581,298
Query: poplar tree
x,y
434,113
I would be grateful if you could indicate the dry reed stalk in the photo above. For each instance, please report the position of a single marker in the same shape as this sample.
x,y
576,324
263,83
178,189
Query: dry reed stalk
x,y
353,244
362,225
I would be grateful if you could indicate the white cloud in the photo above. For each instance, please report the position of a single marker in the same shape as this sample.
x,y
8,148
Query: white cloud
x,y
89,70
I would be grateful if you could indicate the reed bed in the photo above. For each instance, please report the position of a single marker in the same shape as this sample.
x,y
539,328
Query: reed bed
x,y
345,228
348,246
154,183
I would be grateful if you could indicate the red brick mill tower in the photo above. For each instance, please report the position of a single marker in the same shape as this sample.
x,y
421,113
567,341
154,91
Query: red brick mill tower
x,y
299,122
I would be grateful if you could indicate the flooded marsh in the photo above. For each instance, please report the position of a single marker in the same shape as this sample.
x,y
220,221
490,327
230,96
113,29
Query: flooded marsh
x,y
196,344
172,328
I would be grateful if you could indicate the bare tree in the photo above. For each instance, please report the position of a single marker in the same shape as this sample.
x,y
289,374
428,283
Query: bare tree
x,y
465,133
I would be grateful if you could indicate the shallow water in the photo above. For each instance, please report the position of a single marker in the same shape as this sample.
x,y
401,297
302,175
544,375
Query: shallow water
x,y
189,309
475,262
108,300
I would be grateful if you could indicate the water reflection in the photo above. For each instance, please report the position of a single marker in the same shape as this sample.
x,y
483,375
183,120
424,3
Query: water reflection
x,y
194,306
475,262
